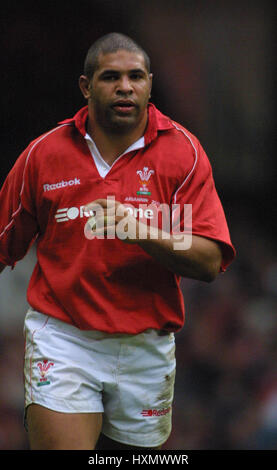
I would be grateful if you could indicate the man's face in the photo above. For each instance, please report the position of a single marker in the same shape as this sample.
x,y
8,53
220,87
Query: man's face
x,y
119,91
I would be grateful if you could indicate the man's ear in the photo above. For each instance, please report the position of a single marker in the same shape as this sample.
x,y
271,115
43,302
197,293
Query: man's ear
x,y
84,84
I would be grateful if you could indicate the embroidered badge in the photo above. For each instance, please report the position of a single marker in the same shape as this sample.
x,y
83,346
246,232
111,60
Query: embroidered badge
x,y
145,175
44,367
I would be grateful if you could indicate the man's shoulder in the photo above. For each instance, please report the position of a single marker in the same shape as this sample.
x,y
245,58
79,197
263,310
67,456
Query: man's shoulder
x,y
167,123
45,147
49,142
51,135
184,134
180,139
175,133
66,129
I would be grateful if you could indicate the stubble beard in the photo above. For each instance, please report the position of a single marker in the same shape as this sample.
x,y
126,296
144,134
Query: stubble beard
x,y
114,123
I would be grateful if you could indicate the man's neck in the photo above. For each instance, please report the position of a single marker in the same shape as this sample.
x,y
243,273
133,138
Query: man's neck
x,y
111,146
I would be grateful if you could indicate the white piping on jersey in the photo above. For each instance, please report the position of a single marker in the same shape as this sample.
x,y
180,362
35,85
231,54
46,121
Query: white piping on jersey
x,y
194,164
22,187
102,166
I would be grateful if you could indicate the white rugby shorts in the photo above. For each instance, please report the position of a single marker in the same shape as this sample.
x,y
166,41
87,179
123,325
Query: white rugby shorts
x,y
129,378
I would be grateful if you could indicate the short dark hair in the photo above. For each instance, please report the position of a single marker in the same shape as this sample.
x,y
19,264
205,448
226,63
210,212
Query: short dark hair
x,y
109,43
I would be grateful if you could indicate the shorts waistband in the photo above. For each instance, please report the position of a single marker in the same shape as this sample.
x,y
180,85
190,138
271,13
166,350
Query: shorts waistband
x,y
55,322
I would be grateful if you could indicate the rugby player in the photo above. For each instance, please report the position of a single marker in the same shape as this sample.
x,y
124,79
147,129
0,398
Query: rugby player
x,y
104,310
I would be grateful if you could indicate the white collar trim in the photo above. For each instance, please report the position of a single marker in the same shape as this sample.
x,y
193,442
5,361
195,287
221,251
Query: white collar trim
x,y
102,166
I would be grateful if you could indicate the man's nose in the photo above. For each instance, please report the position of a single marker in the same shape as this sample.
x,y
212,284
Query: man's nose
x,y
124,85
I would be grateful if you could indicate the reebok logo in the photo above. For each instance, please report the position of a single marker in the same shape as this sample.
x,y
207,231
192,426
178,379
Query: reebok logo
x,y
61,184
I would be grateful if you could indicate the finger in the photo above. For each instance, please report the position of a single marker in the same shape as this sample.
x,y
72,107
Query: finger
x,y
108,203
100,221
94,205
93,230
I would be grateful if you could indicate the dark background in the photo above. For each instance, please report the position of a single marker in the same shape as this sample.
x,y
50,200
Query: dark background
x,y
213,65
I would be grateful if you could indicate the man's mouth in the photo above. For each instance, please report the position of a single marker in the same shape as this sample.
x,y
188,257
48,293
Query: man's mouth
x,y
124,106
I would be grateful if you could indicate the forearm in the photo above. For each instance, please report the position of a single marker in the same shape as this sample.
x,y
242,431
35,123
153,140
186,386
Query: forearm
x,y
201,261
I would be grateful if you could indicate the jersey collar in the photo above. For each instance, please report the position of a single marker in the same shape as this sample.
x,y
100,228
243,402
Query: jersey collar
x,y
156,122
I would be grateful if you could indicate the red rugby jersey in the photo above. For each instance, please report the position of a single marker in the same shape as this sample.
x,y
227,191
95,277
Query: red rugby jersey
x,y
106,285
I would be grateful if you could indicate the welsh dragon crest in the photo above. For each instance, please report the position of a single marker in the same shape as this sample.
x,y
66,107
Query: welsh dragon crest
x,y
144,175
44,367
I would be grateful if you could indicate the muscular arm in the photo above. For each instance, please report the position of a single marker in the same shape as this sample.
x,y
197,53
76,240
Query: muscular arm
x,y
201,261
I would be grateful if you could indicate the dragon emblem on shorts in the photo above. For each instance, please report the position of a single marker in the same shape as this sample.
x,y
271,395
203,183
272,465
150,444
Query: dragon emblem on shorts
x,y
44,367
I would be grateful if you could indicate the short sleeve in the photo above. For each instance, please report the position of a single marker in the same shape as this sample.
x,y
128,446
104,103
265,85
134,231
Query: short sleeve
x,y
18,224
208,217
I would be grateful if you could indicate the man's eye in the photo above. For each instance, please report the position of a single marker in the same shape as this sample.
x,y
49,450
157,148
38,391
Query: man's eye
x,y
110,78
136,76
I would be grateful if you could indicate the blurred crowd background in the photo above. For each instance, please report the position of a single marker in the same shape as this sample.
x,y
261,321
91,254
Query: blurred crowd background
x,y
213,65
